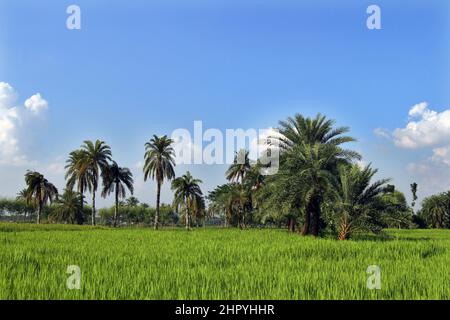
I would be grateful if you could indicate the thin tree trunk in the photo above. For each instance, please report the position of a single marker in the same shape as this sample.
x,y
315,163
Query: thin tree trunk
x,y
187,219
39,212
93,207
158,197
291,225
80,214
116,208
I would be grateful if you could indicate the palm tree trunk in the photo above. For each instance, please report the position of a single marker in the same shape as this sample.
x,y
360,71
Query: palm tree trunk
x,y
158,197
80,214
116,208
39,212
93,207
187,219
307,223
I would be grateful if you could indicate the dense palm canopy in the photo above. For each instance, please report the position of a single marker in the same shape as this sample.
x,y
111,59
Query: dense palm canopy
x,y
116,180
68,207
159,165
188,196
436,210
39,191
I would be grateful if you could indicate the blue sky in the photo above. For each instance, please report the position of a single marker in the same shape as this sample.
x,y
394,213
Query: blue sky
x,y
142,67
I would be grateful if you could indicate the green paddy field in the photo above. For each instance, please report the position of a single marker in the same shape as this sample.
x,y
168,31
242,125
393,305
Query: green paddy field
x,y
218,263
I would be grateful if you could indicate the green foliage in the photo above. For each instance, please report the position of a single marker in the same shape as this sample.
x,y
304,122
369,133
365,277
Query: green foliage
x,y
436,210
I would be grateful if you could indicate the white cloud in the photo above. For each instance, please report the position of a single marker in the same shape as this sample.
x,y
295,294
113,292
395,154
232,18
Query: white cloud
x,y
441,155
13,122
382,133
36,103
429,129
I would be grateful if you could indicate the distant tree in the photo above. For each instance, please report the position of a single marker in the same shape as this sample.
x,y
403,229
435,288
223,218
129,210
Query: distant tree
x,y
39,191
132,202
436,210
159,165
117,180
187,195
414,194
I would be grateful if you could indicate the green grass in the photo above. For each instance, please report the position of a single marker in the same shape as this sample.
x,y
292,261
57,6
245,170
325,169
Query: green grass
x,y
218,264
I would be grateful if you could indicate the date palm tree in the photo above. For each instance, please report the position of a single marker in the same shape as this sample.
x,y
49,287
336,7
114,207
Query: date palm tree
x,y
187,195
159,165
240,167
77,173
357,198
117,180
39,191
68,207
94,161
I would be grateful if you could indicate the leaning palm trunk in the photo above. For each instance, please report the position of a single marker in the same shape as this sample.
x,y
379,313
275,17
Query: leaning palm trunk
x,y
158,197
93,207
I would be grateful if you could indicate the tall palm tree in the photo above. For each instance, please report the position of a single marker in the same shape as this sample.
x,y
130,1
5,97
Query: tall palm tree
x,y
240,167
158,165
187,194
94,161
77,173
68,207
357,198
39,191
117,180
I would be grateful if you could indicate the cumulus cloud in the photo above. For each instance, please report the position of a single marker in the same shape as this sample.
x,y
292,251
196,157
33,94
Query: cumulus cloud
x,y
426,128
14,120
36,103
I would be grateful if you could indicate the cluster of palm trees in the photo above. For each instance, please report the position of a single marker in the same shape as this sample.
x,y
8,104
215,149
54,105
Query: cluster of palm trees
x,y
92,163
320,185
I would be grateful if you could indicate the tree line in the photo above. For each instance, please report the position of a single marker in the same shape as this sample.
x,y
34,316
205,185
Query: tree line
x,y
320,188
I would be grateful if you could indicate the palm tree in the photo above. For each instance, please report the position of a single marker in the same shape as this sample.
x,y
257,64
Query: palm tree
x,y
240,167
436,210
22,194
117,180
68,207
187,194
77,173
304,137
94,161
159,165
314,165
357,198
39,191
